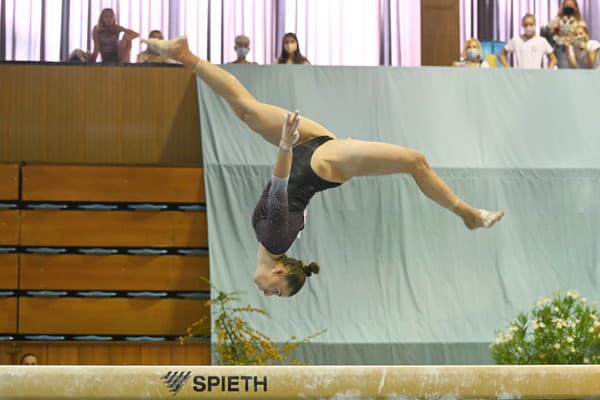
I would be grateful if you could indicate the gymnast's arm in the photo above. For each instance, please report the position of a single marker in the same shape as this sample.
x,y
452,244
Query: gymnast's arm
x,y
278,211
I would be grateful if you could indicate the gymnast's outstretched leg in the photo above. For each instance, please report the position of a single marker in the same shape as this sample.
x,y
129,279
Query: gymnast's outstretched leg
x,y
339,160
264,119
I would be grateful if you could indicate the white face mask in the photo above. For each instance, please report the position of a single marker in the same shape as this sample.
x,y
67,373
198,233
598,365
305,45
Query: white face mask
x,y
290,47
472,54
530,30
242,51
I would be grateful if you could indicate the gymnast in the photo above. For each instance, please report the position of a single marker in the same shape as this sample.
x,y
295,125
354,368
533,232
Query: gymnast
x,y
309,159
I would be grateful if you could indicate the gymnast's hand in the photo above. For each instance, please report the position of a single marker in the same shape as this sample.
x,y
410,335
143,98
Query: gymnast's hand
x,y
289,131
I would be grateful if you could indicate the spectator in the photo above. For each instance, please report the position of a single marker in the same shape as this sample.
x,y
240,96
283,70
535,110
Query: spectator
x,y
472,55
528,48
149,56
80,56
290,51
106,39
242,47
561,30
28,359
582,52
593,46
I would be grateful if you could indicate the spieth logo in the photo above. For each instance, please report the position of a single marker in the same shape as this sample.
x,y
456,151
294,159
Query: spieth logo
x,y
174,380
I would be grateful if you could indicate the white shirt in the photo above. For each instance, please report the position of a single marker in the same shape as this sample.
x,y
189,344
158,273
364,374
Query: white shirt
x,y
528,53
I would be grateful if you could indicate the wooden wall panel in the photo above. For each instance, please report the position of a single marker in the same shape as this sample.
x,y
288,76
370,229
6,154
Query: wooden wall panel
x,y
113,184
68,351
440,32
140,129
8,314
101,316
107,353
9,271
9,227
90,353
103,114
66,116
114,228
179,117
98,114
9,180
27,122
125,354
154,356
6,103
113,272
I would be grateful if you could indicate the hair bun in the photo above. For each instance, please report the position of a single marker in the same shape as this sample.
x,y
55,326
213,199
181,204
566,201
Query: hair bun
x,y
312,268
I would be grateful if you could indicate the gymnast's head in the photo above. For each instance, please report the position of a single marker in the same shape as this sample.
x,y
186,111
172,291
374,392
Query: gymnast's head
x,y
285,278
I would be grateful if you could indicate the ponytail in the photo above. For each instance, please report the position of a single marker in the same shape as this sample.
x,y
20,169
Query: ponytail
x,y
312,268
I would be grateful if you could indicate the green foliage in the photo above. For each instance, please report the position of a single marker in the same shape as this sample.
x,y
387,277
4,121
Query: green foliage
x,y
237,342
564,329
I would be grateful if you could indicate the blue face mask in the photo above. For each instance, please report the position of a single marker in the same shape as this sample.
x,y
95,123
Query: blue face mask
x,y
242,52
472,54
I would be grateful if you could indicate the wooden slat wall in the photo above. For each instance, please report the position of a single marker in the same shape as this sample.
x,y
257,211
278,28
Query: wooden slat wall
x,y
119,316
107,353
9,271
8,314
75,272
99,114
113,272
9,227
113,184
113,228
9,180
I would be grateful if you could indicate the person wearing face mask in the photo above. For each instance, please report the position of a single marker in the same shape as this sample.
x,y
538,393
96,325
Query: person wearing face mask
x,y
561,30
472,55
242,47
290,51
582,52
528,49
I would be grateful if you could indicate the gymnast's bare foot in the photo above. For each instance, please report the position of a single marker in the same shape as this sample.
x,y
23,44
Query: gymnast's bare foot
x,y
175,49
483,219
476,218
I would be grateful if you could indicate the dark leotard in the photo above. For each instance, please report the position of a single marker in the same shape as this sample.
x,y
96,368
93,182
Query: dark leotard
x,y
109,45
279,215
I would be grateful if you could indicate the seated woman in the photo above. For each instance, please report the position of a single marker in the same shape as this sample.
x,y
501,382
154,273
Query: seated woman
x,y
310,159
106,39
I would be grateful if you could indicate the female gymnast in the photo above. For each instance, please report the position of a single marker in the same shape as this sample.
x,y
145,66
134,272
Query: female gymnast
x,y
310,159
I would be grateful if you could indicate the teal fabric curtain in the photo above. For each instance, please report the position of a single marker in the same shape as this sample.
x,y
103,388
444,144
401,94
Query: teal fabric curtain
x,y
403,281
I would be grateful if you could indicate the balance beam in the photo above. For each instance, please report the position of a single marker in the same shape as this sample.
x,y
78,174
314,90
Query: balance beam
x,y
298,382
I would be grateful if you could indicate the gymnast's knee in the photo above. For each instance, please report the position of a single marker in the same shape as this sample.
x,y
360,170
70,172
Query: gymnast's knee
x,y
418,163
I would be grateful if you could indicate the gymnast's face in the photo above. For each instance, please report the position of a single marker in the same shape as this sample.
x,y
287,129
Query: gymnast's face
x,y
273,283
